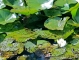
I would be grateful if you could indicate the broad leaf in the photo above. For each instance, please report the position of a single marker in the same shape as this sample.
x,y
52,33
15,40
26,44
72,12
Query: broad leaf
x,y
74,14
52,12
24,10
22,35
55,23
9,27
49,34
73,23
6,16
14,3
2,37
66,7
36,4
58,2
32,7
58,51
8,45
75,41
30,46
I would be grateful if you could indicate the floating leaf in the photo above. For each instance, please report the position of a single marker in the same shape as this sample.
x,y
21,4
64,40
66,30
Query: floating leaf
x,y
30,46
55,23
7,45
58,51
24,10
39,42
74,41
73,23
9,27
58,2
14,3
2,37
22,35
36,4
6,16
42,44
66,7
49,34
52,12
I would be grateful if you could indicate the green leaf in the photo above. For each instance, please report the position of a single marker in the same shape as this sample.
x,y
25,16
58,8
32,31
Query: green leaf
x,y
22,35
14,3
77,16
58,51
74,12
24,10
32,7
30,46
49,34
68,30
9,27
75,41
39,42
68,33
52,12
55,23
8,45
2,37
73,23
58,2
36,4
2,5
43,44
71,1
6,16
66,7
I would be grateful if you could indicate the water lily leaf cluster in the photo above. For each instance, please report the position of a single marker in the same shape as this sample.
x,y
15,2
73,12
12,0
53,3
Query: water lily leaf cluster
x,y
30,25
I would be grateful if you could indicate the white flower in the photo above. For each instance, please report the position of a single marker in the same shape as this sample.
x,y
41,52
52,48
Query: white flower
x,y
77,1
47,5
61,42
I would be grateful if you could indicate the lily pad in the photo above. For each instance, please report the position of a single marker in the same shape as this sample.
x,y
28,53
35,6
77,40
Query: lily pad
x,y
22,35
7,17
30,47
55,23
8,45
58,51
14,3
75,41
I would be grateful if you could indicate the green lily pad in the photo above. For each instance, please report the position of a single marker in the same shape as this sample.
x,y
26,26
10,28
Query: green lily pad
x,y
30,47
14,3
58,51
52,12
55,23
8,45
7,17
22,35
75,41
39,42
58,2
